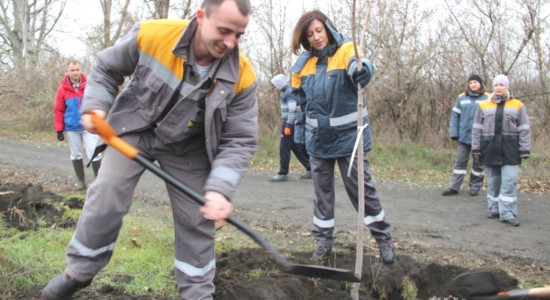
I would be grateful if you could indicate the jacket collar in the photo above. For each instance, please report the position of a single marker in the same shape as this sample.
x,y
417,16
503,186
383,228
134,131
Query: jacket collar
x,y
228,71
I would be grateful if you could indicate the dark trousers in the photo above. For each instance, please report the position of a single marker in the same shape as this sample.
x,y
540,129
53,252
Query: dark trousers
x,y
287,146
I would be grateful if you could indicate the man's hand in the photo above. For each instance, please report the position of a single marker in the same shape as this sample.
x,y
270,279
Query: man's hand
x,y
217,208
288,131
60,136
86,120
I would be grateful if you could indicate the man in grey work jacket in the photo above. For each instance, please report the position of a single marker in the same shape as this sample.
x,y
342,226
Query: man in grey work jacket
x,y
203,132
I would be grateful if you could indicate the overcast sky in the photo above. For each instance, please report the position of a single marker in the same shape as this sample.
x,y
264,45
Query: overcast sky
x,y
79,15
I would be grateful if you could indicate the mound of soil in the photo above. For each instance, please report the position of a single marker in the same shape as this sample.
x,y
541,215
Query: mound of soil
x,y
25,206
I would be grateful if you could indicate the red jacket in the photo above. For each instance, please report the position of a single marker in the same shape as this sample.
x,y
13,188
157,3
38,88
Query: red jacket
x,y
67,106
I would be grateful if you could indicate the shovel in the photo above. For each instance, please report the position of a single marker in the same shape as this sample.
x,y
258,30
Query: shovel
x,y
106,132
492,284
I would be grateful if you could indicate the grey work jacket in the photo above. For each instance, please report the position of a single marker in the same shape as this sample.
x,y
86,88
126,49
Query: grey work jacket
x,y
155,54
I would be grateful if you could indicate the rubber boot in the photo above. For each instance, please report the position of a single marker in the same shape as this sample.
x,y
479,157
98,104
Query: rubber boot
x,y
78,165
62,287
95,166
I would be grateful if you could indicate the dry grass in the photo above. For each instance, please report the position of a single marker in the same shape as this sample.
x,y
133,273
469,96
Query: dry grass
x,y
27,113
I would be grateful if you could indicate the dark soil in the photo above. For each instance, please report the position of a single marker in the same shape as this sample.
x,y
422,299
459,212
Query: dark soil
x,y
436,238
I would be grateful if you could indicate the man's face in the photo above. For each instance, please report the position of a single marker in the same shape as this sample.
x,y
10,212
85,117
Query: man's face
x,y
74,72
219,32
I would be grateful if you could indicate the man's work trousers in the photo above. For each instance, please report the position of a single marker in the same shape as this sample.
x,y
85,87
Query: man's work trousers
x,y
461,166
322,171
109,198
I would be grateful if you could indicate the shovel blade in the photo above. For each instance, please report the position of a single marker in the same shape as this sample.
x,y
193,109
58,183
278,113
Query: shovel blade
x,y
320,272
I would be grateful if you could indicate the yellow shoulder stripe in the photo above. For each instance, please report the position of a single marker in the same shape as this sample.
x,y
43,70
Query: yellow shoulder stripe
x,y
487,104
340,60
247,75
514,103
150,43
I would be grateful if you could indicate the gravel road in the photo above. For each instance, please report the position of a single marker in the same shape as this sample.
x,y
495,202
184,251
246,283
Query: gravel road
x,y
418,214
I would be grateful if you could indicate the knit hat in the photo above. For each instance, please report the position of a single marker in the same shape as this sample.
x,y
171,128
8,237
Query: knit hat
x,y
502,79
476,78
279,81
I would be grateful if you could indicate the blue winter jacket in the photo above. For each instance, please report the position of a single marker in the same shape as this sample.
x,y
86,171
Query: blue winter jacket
x,y
462,117
322,81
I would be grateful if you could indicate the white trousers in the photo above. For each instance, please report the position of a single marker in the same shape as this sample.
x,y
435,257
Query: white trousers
x,y
77,139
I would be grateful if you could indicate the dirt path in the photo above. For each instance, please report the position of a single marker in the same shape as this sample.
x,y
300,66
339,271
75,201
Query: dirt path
x,y
455,226
417,214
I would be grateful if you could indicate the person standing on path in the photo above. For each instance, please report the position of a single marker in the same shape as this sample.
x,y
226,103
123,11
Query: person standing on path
x,y
501,139
326,78
192,107
67,122
287,144
462,119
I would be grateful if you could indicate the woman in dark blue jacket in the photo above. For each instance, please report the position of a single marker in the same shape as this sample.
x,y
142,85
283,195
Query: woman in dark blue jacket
x,y
460,128
325,80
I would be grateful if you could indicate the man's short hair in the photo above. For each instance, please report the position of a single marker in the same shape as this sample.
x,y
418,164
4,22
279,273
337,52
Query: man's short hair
x,y
73,62
210,5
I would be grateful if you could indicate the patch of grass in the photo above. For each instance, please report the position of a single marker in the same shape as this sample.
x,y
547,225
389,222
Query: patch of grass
x,y
144,250
143,258
259,272
74,196
230,238
412,163
267,154
409,289
71,214
30,258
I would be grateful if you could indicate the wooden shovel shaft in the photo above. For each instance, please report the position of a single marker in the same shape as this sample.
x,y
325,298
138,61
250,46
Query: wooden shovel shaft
x,y
360,166
521,293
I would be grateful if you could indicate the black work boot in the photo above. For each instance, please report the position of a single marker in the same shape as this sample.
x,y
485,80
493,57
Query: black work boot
x,y
78,166
386,253
62,287
321,252
449,192
95,166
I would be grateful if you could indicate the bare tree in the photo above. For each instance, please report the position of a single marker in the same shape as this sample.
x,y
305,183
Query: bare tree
x,y
158,8
25,25
112,28
185,9
267,43
397,48
109,26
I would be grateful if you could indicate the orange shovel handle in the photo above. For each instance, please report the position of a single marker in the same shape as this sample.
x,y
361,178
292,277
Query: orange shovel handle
x,y
108,135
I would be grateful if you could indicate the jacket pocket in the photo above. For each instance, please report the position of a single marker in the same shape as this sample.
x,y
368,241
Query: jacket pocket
x,y
147,87
510,123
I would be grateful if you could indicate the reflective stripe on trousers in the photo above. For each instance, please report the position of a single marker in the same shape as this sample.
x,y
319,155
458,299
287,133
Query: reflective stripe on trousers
x,y
322,171
109,198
